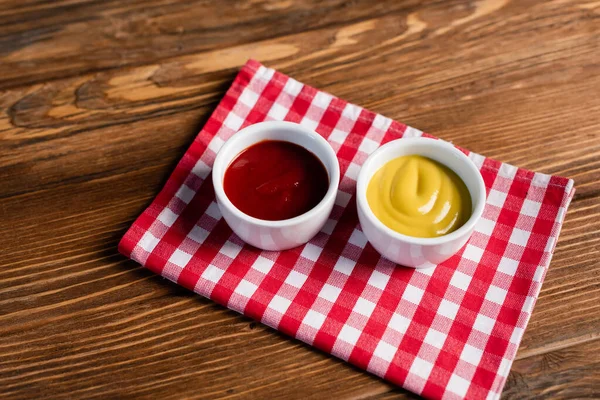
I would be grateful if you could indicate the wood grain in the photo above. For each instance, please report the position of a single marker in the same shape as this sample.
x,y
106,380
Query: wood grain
x,y
99,100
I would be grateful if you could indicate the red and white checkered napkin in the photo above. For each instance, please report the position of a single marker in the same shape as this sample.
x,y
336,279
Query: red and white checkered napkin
x,y
446,332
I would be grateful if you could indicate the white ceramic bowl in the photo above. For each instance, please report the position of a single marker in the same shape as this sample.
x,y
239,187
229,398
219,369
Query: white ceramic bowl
x,y
414,251
288,233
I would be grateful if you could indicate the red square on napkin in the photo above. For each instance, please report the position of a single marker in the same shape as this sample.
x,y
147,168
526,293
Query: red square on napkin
x,y
446,332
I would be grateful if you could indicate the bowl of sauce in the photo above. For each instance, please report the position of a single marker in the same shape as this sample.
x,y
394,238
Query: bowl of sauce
x,y
419,200
275,184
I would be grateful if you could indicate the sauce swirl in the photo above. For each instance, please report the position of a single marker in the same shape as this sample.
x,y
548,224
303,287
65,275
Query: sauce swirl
x,y
419,197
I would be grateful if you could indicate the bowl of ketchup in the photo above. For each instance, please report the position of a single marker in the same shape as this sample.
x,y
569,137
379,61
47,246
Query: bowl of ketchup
x,y
275,184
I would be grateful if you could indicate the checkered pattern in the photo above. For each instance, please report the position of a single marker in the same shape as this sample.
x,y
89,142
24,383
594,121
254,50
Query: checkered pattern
x,y
446,332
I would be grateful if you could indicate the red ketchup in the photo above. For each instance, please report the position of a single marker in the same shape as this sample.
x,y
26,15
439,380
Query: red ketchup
x,y
275,180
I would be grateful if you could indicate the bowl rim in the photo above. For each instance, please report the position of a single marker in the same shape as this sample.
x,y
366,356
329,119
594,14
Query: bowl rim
x,y
441,145
221,164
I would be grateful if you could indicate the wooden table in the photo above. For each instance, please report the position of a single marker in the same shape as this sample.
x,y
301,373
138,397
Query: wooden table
x,y
99,100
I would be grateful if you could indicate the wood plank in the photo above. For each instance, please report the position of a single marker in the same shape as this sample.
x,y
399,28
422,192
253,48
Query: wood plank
x,y
565,373
42,42
83,151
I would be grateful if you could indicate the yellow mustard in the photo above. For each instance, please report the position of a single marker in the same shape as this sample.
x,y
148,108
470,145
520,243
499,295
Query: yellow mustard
x,y
419,197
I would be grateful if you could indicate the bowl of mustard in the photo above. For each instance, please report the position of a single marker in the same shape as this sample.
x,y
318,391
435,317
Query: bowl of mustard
x,y
419,200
